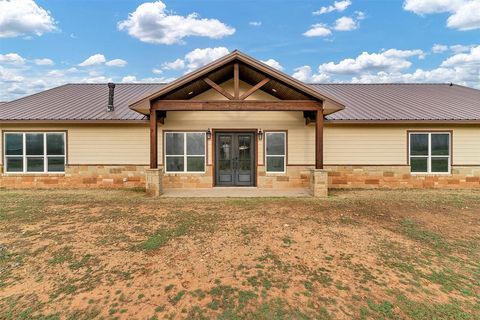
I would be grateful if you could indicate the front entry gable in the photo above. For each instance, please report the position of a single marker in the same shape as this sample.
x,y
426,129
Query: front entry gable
x,y
237,78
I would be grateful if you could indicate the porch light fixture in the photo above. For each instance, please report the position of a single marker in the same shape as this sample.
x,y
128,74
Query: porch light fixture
x,y
260,134
209,134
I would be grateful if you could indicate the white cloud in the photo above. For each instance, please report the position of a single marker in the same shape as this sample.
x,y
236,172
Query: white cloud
x,y
466,18
157,71
470,59
345,24
178,64
21,17
337,6
318,30
306,74
465,14
116,63
255,23
129,79
456,48
152,23
12,58
9,76
93,60
389,60
460,68
439,48
273,63
196,59
43,62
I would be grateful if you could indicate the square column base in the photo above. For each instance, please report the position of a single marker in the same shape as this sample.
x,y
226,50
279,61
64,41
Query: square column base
x,y
319,183
153,182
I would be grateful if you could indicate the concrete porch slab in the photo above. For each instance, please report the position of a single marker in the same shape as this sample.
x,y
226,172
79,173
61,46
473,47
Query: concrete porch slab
x,y
234,192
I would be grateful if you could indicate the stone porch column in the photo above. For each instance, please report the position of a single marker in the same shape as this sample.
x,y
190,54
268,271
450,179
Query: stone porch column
x,y
318,183
153,182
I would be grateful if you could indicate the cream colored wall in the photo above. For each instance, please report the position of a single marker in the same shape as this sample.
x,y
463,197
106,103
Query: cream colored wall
x,y
300,138
101,143
343,145
213,94
387,145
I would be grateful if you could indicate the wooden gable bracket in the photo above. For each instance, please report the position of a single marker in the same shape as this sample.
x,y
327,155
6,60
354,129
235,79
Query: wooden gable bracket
x,y
219,89
236,86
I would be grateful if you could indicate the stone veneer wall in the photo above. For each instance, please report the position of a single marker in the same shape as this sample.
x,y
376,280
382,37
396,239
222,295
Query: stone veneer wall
x,y
296,177
83,176
369,177
339,177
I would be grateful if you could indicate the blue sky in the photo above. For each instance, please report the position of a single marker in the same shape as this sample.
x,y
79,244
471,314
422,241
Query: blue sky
x,y
48,43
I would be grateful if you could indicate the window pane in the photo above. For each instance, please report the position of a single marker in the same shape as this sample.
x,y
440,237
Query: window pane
x,y
440,144
195,143
175,164
14,144
418,164
55,144
35,164
34,143
419,144
196,164
174,143
56,164
439,164
14,164
275,164
275,143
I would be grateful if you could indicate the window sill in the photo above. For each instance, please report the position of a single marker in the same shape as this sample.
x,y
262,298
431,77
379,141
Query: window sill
x,y
32,174
173,174
420,174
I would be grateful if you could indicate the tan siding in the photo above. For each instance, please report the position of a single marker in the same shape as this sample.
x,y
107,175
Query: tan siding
x,y
387,145
344,145
293,122
466,146
101,144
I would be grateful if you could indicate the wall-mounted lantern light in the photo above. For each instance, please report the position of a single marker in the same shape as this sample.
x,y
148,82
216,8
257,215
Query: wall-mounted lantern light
x,y
260,134
209,134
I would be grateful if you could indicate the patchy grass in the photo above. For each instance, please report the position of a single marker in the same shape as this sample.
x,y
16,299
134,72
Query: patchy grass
x,y
402,254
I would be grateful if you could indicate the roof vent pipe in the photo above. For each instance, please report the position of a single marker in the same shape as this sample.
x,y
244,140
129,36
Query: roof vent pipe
x,y
111,88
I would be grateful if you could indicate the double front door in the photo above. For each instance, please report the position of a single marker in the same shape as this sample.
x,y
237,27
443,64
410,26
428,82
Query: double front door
x,y
234,158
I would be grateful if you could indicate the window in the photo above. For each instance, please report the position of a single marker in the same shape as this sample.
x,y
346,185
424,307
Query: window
x,y
35,152
430,152
275,151
185,152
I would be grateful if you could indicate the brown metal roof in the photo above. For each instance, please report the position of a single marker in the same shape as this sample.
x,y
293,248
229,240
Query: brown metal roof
x,y
78,102
399,102
363,102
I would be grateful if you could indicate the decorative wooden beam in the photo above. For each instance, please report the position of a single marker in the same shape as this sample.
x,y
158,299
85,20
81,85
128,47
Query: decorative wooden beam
x,y
237,105
236,81
319,140
254,88
153,139
220,90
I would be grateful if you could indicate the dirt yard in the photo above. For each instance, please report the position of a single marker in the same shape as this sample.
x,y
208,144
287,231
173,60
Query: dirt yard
x,y
357,255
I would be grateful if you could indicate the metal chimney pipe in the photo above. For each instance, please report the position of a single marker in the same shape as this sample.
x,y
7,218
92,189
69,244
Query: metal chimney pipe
x,y
111,88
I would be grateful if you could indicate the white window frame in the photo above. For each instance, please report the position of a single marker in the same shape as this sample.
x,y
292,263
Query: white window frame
x,y
24,155
430,156
276,155
184,155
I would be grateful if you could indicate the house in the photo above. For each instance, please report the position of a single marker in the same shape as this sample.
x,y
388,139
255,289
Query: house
x,y
238,122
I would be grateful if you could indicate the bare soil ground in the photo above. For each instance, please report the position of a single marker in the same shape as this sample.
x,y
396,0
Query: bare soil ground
x,y
356,255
